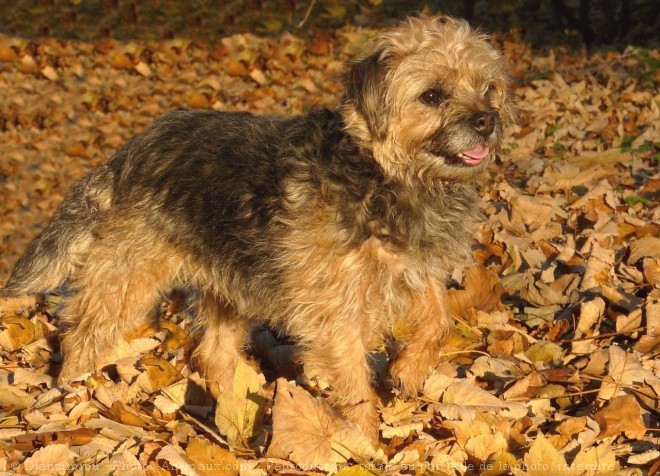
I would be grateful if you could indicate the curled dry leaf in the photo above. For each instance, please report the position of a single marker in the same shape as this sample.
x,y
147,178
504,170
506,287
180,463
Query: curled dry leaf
x,y
15,332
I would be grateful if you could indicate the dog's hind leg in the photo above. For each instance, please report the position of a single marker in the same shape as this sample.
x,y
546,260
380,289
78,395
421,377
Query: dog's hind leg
x,y
115,291
224,337
56,253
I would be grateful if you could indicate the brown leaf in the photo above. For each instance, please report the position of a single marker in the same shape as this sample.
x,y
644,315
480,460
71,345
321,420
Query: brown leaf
x,y
77,150
15,332
647,246
157,373
651,340
121,61
310,432
535,212
7,54
622,415
50,73
482,291
31,441
235,68
320,46
198,100
651,267
28,65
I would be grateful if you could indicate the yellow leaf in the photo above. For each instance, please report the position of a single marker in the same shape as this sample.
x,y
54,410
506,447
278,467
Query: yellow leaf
x,y
50,73
542,459
354,471
15,332
240,410
52,459
335,12
600,458
544,351
14,398
210,459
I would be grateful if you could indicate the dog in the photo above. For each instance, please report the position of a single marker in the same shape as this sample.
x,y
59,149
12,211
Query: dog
x,y
335,226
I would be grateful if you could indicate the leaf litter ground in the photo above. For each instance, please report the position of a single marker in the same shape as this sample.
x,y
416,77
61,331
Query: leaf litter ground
x,y
553,365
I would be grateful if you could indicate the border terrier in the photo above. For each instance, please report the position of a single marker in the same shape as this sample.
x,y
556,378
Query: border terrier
x,y
335,226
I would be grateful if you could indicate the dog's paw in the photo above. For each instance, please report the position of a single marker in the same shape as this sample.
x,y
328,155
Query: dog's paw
x,y
365,416
408,375
17,305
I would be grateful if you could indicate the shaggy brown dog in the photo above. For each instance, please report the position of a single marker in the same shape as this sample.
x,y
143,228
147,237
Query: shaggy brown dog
x,y
334,226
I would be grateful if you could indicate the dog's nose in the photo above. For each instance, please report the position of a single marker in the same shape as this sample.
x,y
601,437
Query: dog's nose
x,y
483,122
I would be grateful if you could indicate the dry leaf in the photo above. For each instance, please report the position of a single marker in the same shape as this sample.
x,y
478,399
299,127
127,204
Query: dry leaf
x,y
53,459
621,415
482,290
240,410
542,459
209,459
647,246
157,373
12,398
15,332
310,433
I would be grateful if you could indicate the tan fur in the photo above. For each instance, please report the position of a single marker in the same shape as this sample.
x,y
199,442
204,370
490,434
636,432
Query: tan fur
x,y
119,285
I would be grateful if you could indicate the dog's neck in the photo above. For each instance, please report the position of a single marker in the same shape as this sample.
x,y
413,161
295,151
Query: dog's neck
x,y
411,216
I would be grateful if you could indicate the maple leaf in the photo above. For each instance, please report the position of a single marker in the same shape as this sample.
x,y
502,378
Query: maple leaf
x,y
311,433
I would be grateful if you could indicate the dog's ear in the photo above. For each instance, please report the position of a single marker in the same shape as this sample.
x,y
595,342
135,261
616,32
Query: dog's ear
x,y
509,111
365,89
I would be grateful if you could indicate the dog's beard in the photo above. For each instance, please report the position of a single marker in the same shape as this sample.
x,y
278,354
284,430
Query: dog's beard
x,y
460,146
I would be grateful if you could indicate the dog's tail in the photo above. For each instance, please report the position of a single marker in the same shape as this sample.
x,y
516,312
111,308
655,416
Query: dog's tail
x,y
54,254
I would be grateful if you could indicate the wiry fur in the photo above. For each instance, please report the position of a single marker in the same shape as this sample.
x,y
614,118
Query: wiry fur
x,y
335,226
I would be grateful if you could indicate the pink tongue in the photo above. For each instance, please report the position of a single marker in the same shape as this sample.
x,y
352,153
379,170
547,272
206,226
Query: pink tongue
x,y
475,155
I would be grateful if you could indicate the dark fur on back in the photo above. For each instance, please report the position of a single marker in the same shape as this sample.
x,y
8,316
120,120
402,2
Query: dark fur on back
x,y
230,185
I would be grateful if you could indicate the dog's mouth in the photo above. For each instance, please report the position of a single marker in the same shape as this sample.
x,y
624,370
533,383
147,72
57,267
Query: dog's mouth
x,y
468,158
474,156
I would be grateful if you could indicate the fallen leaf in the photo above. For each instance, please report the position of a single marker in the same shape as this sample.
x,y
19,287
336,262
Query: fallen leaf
x,y
15,332
53,459
310,432
621,415
239,411
482,290
647,246
210,459
157,373
12,398
50,73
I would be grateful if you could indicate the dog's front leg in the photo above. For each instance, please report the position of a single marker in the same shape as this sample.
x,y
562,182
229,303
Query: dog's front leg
x,y
339,355
427,325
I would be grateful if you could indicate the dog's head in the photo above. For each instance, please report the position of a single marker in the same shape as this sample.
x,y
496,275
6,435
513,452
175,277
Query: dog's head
x,y
430,100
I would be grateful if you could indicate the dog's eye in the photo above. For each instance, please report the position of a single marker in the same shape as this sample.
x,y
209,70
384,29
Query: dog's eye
x,y
432,97
490,89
